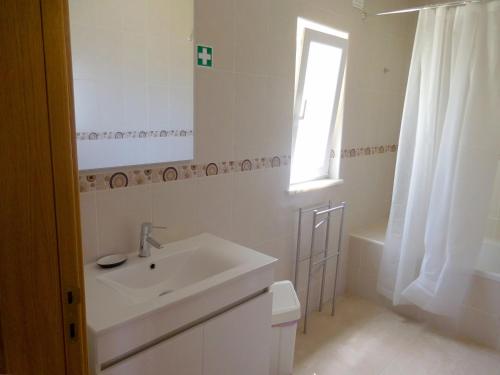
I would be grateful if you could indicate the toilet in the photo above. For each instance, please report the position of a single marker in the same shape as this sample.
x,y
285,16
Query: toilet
x,y
286,314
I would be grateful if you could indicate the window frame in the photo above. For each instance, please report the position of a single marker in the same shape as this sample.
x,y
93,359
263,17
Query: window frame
x,y
309,36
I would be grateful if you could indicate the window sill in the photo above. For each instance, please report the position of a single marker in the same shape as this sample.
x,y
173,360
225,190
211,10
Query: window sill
x,y
305,187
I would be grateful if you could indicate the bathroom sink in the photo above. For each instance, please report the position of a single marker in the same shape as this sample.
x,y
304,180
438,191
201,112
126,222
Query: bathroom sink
x,y
179,285
166,272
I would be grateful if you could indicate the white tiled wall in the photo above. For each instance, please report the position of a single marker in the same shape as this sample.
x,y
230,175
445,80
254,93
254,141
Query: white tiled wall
x,y
244,109
126,74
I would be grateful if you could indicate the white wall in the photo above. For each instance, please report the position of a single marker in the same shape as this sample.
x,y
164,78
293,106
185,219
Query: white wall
x,y
244,109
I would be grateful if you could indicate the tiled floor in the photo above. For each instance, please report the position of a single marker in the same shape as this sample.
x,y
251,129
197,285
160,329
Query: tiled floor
x,y
365,339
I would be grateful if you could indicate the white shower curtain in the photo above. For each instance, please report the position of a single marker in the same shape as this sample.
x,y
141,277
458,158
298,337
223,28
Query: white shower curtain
x,y
448,151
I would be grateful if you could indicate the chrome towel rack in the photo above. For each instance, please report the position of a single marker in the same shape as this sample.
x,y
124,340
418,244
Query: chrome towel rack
x,y
321,215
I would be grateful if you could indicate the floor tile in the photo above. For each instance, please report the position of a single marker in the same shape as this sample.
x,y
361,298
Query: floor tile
x,y
364,338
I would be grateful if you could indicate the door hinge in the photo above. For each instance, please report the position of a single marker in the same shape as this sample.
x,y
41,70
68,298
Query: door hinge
x,y
72,300
72,296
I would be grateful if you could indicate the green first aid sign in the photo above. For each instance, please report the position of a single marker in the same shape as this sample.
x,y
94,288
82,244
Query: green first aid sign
x,y
204,55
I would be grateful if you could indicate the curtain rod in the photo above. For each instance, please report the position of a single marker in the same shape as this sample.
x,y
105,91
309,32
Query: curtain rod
x,y
429,6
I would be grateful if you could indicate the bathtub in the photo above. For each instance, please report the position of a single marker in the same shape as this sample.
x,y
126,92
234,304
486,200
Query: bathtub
x,y
480,313
488,264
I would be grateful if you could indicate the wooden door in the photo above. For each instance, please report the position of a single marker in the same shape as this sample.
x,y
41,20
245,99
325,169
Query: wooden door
x,y
42,319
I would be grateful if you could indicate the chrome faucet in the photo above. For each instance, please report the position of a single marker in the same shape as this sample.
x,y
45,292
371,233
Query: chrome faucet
x,y
147,241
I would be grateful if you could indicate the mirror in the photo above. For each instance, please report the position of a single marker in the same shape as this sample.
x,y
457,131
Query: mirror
x,y
133,81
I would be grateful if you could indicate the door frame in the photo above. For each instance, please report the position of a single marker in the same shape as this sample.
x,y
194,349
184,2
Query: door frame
x,y
42,319
59,76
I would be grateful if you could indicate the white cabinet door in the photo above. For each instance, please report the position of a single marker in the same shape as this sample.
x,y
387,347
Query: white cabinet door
x,y
238,341
180,355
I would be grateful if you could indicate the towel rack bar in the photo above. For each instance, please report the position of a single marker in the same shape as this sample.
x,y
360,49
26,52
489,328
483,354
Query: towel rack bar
x,y
325,259
317,211
332,209
315,254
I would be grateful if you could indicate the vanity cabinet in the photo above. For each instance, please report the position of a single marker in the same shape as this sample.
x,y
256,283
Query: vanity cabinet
x,y
180,355
234,342
239,341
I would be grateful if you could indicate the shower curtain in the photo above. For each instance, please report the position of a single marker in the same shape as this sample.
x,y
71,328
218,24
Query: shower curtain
x,y
448,151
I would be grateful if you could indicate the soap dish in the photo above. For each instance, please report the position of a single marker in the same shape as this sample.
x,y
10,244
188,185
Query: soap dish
x,y
111,261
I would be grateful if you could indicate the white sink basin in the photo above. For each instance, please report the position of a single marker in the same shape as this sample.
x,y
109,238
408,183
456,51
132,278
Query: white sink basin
x,y
164,273
178,285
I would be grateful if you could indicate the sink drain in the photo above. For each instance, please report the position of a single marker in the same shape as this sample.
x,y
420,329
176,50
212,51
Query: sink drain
x,y
165,292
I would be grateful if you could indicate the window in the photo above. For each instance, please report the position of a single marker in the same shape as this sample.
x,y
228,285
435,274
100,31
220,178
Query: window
x,y
321,60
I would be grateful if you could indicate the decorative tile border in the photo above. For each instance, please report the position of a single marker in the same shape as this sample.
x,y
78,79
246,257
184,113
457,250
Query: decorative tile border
x,y
94,136
167,173
134,177
365,151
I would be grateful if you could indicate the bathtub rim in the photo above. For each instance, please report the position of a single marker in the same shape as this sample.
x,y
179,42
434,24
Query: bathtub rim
x,y
493,276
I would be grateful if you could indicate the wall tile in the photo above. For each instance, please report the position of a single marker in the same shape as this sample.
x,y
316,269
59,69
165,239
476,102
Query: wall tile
x,y
282,38
158,18
214,200
370,256
215,26
282,249
355,248
88,214
135,103
214,115
158,105
342,7
120,214
180,73
252,222
252,36
383,51
85,63
259,211
278,134
158,59
86,105
134,51
402,25
134,16
252,115
352,278
180,104
110,104
81,13
105,15
109,54
175,206
181,30
381,114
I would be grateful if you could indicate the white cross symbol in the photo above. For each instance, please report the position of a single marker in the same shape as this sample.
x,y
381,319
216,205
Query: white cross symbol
x,y
204,56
